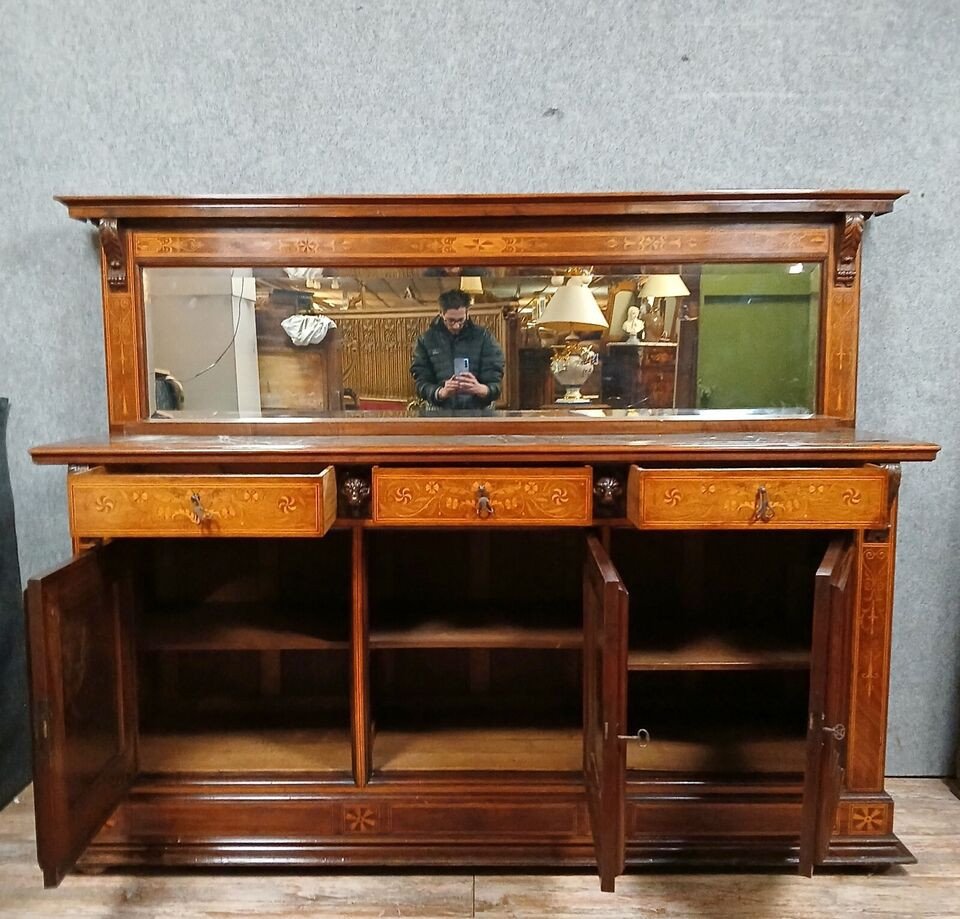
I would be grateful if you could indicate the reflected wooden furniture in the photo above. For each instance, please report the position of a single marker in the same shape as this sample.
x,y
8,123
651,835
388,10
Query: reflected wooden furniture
x,y
639,376
483,665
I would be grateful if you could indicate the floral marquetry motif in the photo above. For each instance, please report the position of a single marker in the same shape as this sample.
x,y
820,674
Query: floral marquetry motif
x,y
690,242
358,819
498,497
792,498
871,660
131,505
864,819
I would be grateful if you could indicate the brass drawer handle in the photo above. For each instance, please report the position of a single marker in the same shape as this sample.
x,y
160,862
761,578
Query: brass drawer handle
x,y
484,505
198,513
762,511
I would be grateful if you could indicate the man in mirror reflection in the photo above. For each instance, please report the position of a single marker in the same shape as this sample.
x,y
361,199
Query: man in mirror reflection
x,y
439,354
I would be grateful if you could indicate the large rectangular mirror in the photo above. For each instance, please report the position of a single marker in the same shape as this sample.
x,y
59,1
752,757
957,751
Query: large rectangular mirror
x,y
711,339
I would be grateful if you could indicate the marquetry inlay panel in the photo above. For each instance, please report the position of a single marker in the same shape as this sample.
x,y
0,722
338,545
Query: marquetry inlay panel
x,y
655,242
864,818
840,358
104,504
760,498
483,497
871,662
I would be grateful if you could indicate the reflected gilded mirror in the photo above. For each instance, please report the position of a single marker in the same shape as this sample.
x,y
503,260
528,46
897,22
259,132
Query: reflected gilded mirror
x,y
591,340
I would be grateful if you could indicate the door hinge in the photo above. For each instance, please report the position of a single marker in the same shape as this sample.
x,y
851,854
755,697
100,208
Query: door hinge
x,y
41,725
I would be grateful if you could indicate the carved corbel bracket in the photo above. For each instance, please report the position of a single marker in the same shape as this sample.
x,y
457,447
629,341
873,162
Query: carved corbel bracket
x,y
848,247
113,248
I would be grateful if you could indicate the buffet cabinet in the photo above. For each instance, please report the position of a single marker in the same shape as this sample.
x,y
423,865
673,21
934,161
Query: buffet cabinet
x,y
512,642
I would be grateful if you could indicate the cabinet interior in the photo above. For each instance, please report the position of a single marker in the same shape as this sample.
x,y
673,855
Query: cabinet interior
x,y
243,655
719,648
474,651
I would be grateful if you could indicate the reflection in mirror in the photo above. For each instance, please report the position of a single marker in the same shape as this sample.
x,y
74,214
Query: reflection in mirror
x,y
604,341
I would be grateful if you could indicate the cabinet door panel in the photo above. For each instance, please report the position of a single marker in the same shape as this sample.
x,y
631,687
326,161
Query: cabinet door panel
x,y
834,595
605,610
84,715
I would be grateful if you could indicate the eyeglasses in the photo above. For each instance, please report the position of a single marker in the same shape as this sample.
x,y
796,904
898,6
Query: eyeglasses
x,y
454,323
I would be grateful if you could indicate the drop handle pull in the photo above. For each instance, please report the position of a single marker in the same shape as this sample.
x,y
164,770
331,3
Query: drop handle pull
x,y
762,511
198,513
642,737
484,504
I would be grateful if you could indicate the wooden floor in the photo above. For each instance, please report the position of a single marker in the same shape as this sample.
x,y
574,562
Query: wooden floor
x,y
928,821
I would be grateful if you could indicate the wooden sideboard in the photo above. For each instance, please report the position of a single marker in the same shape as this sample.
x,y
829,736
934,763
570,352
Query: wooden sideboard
x,y
545,639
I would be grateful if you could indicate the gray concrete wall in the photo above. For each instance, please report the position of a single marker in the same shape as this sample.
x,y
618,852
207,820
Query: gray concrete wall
x,y
467,96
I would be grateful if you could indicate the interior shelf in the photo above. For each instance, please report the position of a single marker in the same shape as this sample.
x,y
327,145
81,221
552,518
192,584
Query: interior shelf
x,y
719,751
478,630
325,750
244,627
718,652
525,749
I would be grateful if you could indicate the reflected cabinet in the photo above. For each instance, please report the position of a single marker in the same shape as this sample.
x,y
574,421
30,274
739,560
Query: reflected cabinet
x,y
514,531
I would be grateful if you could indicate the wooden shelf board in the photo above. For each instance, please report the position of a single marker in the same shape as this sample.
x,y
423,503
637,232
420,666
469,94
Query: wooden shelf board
x,y
718,752
239,627
436,634
276,750
526,749
715,652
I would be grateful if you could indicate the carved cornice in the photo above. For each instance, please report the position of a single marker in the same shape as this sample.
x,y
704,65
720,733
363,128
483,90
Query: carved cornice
x,y
848,247
113,250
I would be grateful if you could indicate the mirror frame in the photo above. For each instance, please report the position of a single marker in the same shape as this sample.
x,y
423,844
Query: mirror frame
x,y
450,230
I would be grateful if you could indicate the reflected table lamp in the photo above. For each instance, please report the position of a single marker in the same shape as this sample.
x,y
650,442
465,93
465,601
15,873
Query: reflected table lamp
x,y
573,309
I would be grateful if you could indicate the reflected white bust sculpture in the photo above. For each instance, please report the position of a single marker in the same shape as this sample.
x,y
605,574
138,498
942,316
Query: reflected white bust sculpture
x,y
632,325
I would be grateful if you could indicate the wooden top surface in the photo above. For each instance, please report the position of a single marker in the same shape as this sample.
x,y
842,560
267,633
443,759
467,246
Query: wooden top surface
x,y
610,204
818,446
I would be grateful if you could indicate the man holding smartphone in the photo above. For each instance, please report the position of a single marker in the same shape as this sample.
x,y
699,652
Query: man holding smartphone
x,y
457,364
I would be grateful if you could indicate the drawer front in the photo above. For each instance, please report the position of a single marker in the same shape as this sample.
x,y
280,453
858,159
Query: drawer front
x,y
483,497
763,498
105,504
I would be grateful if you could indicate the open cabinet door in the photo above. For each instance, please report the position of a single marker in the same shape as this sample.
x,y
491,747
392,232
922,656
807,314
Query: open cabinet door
x,y
81,678
605,611
826,727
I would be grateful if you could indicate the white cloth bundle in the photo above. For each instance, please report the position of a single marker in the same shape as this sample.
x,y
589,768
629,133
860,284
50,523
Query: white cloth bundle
x,y
307,329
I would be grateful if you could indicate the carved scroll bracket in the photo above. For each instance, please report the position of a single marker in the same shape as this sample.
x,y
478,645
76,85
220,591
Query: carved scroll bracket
x,y
113,249
848,247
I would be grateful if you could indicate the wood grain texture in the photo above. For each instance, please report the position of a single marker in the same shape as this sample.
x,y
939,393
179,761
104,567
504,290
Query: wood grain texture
x,y
928,816
105,504
554,496
792,498
467,445
870,666
559,206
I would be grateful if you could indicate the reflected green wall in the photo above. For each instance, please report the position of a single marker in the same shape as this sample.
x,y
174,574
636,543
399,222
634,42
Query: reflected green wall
x,y
758,337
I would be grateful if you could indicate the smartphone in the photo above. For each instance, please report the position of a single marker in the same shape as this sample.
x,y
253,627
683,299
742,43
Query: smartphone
x,y
461,365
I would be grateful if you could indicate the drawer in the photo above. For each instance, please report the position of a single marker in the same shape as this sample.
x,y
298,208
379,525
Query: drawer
x,y
482,497
746,498
108,504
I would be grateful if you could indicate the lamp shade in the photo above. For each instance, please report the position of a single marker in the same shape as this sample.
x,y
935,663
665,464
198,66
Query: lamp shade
x,y
573,307
471,284
664,285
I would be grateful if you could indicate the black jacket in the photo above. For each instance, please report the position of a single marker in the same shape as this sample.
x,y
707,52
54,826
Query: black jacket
x,y
433,357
